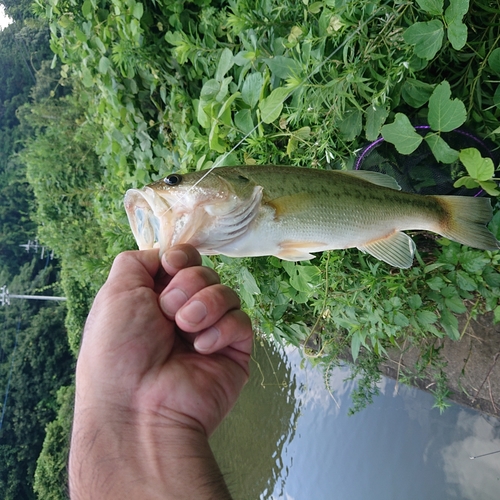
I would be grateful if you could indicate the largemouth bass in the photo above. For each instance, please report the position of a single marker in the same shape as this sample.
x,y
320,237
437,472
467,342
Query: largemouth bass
x,y
292,212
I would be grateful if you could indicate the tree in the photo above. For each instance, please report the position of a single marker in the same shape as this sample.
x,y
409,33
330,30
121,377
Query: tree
x,y
35,362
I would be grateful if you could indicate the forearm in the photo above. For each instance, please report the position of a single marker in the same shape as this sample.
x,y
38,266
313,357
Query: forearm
x,y
117,458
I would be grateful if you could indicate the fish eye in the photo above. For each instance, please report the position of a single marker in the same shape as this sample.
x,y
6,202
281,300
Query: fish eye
x,y
172,179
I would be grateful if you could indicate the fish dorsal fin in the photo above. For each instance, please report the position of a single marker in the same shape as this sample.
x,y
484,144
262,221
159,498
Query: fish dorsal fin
x,y
397,249
374,177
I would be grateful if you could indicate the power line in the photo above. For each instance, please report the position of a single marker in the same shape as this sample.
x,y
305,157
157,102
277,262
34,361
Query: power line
x,y
5,296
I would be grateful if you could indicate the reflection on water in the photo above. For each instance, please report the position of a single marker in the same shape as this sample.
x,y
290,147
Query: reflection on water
x,y
249,444
289,439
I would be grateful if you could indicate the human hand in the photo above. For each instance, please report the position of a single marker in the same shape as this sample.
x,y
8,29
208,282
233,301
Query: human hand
x,y
168,342
164,356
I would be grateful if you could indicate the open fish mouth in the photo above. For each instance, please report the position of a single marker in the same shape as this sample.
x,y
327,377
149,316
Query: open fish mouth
x,y
148,216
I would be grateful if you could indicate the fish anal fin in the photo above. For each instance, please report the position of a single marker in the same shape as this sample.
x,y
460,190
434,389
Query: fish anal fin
x,y
290,204
298,250
397,249
374,177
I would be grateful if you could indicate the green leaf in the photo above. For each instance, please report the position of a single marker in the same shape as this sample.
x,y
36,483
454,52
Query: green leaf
x,y
213,138
104,65
479,168
427,38
251,89
496,317
455,304
490,187
440,149
445,114
496,96
426,318
375,118
138,10
224,113
415,301
457,30
209,90
248,281
457,34
201,115
494,60
271,106
416,93
351,125
402,134
456,10
315,7
243,120
304,278
465,282
87,9
284,67
466,181
450,324
226,62
474,261
356,344
435,283
401,320
87,79
434,7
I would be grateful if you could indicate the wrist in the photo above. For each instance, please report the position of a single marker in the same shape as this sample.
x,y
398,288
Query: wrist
x,y
119,455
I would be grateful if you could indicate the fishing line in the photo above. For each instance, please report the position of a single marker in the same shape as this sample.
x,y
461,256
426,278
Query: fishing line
x,y
305,79
485,454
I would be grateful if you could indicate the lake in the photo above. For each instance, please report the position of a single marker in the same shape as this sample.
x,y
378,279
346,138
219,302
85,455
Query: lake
x,y
290,438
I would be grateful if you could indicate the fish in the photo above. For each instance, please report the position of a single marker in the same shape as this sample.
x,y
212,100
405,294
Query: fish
x,y
294,212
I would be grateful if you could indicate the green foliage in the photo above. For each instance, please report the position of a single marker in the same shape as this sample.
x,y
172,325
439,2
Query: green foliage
x,y
66,177
481,172
444,115
178,86
40,364
51,476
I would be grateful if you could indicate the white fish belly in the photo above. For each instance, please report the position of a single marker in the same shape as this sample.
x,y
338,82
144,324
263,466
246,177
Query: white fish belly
x,y
292,238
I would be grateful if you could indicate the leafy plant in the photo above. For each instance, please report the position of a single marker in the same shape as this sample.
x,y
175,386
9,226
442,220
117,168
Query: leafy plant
x,y
178,86
481,172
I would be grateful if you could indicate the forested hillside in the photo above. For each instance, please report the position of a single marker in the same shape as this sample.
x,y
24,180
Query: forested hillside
x,y
35,360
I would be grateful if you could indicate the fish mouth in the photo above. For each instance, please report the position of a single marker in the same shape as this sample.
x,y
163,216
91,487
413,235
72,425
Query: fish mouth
x,y
149,216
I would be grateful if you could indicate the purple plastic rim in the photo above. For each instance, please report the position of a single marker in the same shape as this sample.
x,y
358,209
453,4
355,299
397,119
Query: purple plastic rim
x,y
374,144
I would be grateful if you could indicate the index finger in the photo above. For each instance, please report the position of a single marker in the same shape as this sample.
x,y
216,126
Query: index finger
x,y
174,260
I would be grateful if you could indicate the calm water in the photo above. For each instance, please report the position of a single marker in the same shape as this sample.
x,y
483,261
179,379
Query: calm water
x,y
289,439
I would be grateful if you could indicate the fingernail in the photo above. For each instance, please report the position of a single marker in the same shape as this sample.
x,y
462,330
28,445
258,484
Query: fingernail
x,y
176,258
194,313
207,339
172,301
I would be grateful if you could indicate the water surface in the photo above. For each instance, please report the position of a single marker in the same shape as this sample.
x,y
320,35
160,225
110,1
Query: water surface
x,y
288,438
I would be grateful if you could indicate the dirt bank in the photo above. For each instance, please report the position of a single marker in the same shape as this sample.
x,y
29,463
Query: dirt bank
x,y
472,365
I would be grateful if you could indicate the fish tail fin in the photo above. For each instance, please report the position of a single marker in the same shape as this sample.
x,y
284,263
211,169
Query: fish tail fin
x,y
466,221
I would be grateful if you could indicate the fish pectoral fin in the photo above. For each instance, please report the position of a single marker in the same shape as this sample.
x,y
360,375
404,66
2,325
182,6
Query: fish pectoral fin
x,y
397,249
298,250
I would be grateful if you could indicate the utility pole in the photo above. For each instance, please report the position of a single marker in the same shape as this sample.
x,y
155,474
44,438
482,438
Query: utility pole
x,y
5,296
34,245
